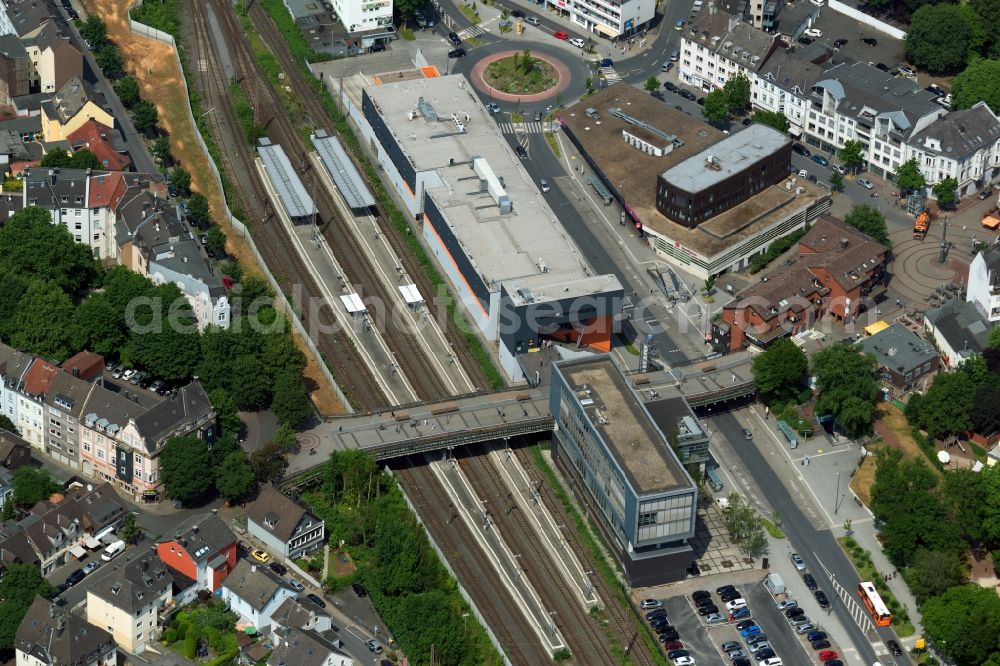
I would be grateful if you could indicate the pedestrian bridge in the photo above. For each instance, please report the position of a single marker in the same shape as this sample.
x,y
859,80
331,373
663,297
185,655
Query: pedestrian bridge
x,y
487,417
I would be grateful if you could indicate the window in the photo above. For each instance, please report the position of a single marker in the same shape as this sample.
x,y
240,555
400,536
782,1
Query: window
x,y
86,447
646,519
100,454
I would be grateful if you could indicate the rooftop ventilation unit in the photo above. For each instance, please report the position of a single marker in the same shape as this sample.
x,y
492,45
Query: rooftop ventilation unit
x,y
427,110
712,162
489,182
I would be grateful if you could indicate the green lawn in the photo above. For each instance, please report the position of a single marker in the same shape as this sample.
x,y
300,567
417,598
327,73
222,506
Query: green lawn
x,y
521,75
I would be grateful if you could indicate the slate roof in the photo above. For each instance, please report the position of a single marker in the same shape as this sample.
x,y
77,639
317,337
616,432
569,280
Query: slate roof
x,y
184,257
272,507
961,324
132,585
55,188
991,256
735,38
188,405
58,637
70,100
899,349
301,648
297,612
960,134
788,69
12,47
68,393
204,536
146,220
8,442
255,584
27,15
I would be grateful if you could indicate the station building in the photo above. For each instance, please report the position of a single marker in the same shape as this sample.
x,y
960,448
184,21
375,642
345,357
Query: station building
x,y
706,201
512,264
618,448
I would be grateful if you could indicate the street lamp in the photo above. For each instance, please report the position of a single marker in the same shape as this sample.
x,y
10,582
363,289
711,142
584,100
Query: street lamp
x,y
836,498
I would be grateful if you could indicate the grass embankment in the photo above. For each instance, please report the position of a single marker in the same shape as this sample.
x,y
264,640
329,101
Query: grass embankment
x,y
862,561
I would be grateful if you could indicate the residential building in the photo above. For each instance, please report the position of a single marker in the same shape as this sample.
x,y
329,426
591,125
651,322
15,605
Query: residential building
x,y
621,467
74,104
298,613
254,592
204,550
783,84
54,58
104,142
719,46
14,451
609,19
836,267
308,648
51,635
126,598
905,360
964,145
183,263
959,330
284,527
15,68
984,283
13,366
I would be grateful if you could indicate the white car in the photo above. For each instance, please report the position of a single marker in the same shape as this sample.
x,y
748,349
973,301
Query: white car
x,y
736,603
647,604
544,186
840,168
577,42
532,20
865,183
773,661
684,661
128,374
797,561
813,32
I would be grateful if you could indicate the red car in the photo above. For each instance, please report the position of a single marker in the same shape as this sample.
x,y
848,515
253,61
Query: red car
x,y
560,35
673,645
827,655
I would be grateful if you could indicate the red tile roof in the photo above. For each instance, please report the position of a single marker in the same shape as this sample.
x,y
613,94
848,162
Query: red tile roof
x,y
86,363
93,136
106,189
39,377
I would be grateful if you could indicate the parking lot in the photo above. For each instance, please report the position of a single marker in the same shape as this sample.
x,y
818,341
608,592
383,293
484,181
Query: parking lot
x,y
891,52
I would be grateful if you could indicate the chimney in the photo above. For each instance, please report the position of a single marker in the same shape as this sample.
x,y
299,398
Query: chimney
x,y
53,176
891,352
76,371
844,243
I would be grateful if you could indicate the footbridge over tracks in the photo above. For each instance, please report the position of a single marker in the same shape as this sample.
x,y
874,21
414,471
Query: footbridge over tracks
x,y
484,417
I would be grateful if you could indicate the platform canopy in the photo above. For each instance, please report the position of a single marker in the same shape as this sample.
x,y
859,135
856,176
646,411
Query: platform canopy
x,y
352,303
345,176
411,295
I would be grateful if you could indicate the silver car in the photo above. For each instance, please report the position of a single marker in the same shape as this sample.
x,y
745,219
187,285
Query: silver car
x,y
799,563
865,183
543,185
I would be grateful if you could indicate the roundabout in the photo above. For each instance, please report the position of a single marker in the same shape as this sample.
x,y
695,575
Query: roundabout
x,y
521,74
499,74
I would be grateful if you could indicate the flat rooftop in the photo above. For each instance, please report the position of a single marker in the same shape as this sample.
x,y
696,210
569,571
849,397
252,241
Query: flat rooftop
x,y
731,155
450,128
617,413
635,173
285,179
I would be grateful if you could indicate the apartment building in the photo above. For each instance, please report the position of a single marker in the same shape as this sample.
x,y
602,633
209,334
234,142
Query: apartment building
x,y
104,142
783,84
53,58
964,145
905,361
720,46
70,107
609,19
127,598
15,68
52,635
254,592
285,527
77,199
984,283
203,550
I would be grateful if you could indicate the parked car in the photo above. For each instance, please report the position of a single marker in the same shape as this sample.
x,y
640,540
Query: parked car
x,y
827,655
820,645
517,13
378,47
296,585
799,563
794,612
667,66
801,150
91,567
278,568
533,21
374,646
457,53
128,374
359,589
675,654
822,599
261,556
870,41
800,620
739,613
315,598
765,655
881,65
865,183
708,610
559,34
806,41
667,85
815,635
810,582
785,604
76,577
740,626
686,94
493,108
730,645
738,602
655,613
759,647
156,385
815,33
894,648
673,645
746,121
684,661
741,662
839,168
820,160
714,618
839,43
679,24
454,38
730,595
668,636
805,628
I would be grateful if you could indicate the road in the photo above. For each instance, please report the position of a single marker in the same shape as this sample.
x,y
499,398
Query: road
x,y
813,544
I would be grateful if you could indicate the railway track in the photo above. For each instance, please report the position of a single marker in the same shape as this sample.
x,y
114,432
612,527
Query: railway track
x,y
584,637
316,112
626,624
281,259
353,260
478,576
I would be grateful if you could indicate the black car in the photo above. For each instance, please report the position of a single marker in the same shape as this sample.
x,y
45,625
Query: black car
x,y
376,48
658,94
278,568
172,190
894,648
676,654
359,589
801,150
741,661
457,53
725,588
708,610
794,612
75,577
881,65
704,601
667,85
806,40
730,595
517,13
686,94
655,613
766,653
821,598
701,594
665,629
746,121
822,644
521,152
658,621
870,41
701,101
839,43
809,581
62,587
740,626
316,600
455,39
668,636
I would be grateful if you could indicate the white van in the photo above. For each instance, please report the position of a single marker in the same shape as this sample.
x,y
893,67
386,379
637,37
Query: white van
x,y
113,551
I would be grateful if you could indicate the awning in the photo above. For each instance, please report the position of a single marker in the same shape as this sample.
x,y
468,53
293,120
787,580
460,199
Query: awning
x,y
605,30
877,327
93,543
78,552
991,222
794,131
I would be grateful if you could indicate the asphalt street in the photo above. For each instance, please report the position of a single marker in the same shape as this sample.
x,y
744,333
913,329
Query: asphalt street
x,y
814,545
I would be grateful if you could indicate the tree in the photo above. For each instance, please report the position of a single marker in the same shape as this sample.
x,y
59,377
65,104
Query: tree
x,y
985,411
979,82
778,372
268,462
61,159
869,221
163,334
129,530
775,119
932,572
161,149
947,405
908,176
964,623
122,287
227,415
290,403
975,368
652,84
12,288
845,380
716,108
9,511
836,181
181,179
993,341
234,477
32,247
20,585
97,326
127,89
40,323
8,425
945,191
186,468
94,31
938,38
745,526
144,115
110,60
737,89
32,485
988,12
852,154
216,239
198,211
966,500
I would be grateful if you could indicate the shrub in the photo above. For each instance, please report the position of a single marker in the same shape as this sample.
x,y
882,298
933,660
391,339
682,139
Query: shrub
x,y
850,543
191,646
170,636
182,630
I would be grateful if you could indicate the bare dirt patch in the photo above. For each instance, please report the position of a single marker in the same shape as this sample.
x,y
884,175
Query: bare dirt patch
x,y
863,479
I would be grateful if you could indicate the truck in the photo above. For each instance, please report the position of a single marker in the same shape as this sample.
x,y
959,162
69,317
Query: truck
x,y
921,224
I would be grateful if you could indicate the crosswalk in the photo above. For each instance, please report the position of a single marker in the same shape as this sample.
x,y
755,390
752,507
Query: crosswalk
x,y
522,128
472,31
610,75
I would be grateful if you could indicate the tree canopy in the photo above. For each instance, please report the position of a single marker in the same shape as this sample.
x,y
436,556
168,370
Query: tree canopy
x,y
32,485
32,247
775,119
908,176
20,584
80,159
946,191
144,115
870,221
778,372
947,405
185,467
94,30
980,81
938,38
42,322
651,84
234,477
716,108
845,380
852,154
738,90
965,623
127,89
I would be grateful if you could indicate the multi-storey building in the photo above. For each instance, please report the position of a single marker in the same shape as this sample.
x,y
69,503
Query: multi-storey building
x,y
360,15
905,361
984,283
54,59
127,598
283,526
720,46
611,19
783,84
15,68
78,199
964,145
624,468
70,107
203,550
51,635
254,592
